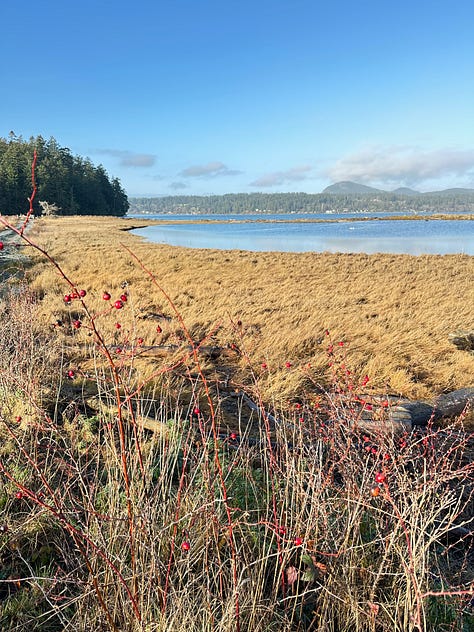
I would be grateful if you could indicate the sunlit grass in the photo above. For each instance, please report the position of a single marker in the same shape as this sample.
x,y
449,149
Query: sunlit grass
x,y
139,490
395,312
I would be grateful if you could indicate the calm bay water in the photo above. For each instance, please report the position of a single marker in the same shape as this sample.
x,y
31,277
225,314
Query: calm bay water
x,y
276,233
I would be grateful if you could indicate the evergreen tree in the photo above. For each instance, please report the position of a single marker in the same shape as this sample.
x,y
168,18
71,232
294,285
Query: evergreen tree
x,y
71,183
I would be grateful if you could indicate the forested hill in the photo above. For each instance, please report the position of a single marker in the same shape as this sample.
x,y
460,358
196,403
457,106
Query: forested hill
x,y
67,184
440,201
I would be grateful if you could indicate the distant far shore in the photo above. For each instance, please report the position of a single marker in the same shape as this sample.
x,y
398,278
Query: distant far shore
x,y
343,200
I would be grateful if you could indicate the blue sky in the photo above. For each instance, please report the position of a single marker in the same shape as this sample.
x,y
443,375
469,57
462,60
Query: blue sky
x,y
188,97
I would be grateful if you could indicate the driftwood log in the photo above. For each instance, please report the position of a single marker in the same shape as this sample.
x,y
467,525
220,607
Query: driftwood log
x,y
405,415
445,406
401,415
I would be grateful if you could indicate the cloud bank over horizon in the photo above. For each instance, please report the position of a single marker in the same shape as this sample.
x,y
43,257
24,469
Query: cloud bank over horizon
x,y
129,158
210,170
402,165
278,178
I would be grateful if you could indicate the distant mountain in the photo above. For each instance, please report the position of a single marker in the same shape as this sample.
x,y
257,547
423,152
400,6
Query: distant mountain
x,y
455,191
347,187
405,191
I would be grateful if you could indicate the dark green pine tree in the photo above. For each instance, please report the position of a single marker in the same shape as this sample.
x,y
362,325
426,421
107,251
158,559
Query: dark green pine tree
x,y
70,183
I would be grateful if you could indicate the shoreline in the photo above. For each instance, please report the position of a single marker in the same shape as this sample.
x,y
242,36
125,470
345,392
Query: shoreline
x,y
303,220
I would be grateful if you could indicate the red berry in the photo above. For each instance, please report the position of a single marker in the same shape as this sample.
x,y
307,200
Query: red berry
x,y
185,545
19,495
288,365
264,365
18,419
375,491
196,411
71,373
118,326
298,541
140,341
106,296
118,304
158,329
123,298
380,477
76,324
1,245
82,293
233,436
67,298
341,344
118,350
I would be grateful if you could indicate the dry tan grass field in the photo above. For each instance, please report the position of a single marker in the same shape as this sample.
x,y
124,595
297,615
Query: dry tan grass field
x,y
289,518
393,312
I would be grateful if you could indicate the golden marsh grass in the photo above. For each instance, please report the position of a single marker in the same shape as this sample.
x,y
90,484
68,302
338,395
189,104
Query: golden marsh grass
x,y
107,526
393,312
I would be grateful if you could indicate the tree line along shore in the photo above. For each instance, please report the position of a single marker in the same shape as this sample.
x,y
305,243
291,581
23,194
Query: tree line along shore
x,y
450,201
66,184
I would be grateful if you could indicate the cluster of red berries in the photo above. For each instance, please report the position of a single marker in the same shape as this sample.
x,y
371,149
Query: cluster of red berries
x,y
68,298
119,302
380,479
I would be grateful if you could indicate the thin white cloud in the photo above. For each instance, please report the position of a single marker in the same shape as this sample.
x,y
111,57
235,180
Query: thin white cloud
x,y
130,158
402,165
211,170
278,178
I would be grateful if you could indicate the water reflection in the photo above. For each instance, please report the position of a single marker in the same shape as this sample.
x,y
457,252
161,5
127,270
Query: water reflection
x,y
414,237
